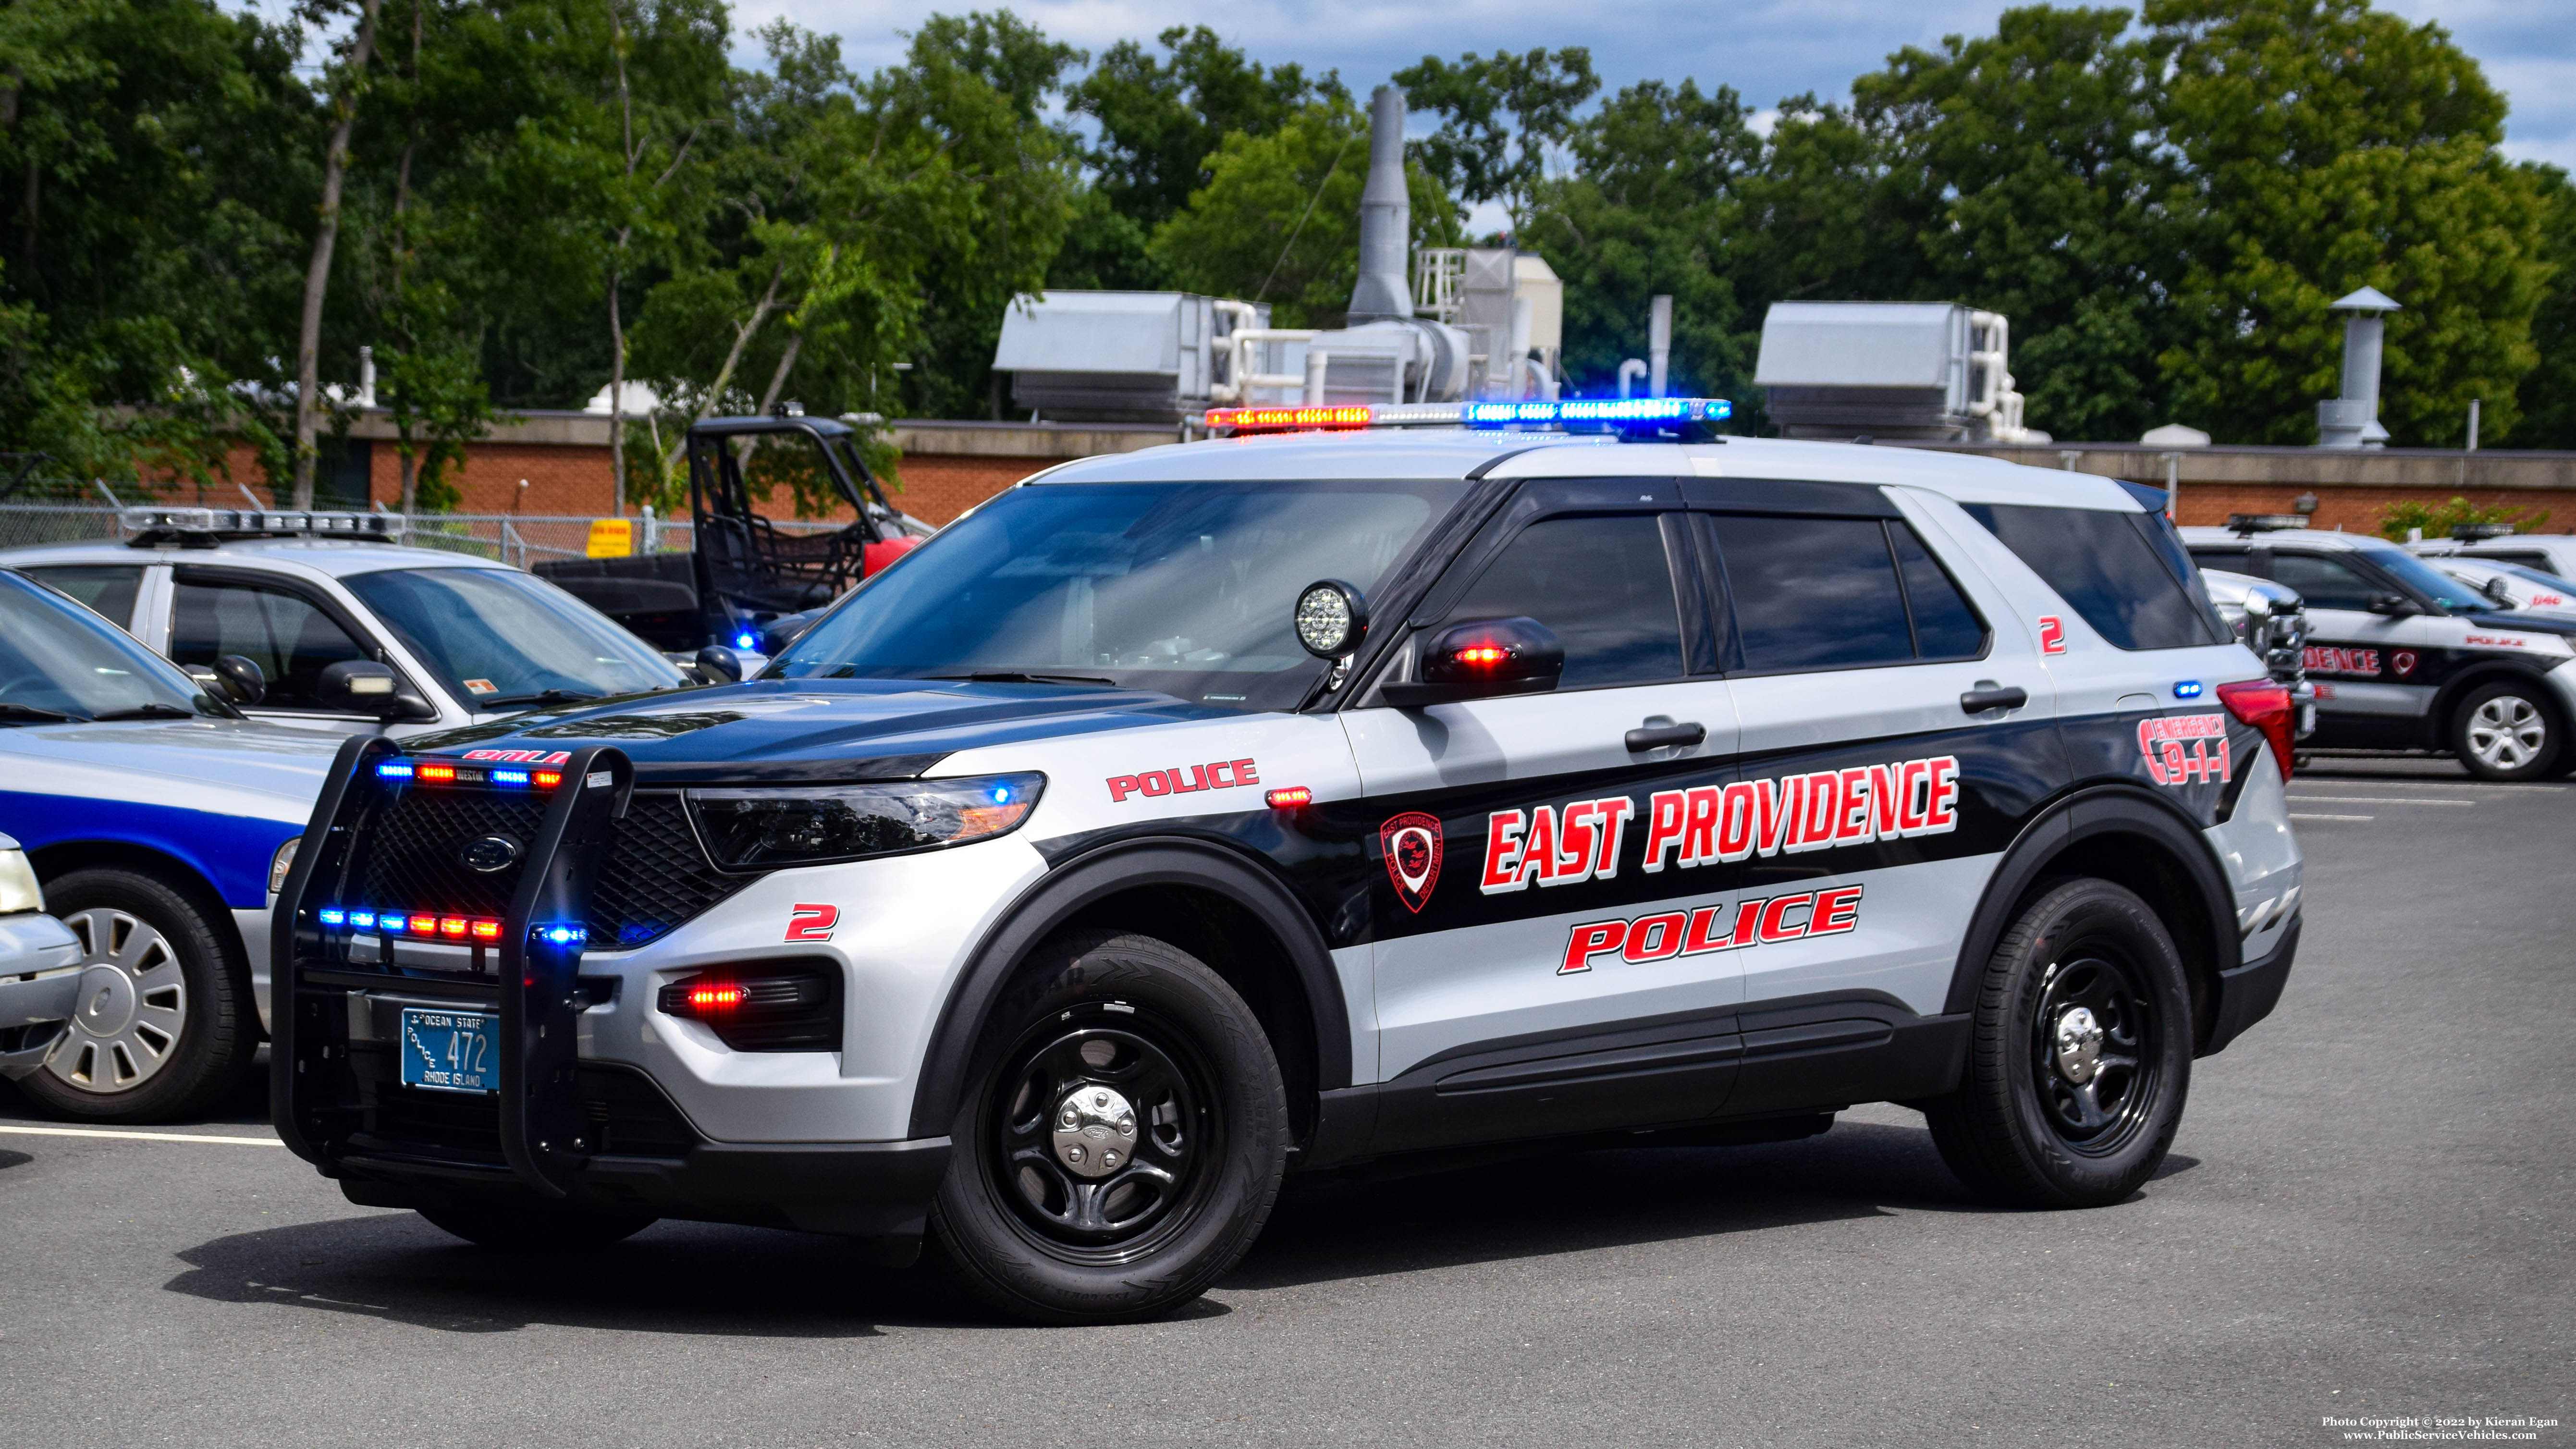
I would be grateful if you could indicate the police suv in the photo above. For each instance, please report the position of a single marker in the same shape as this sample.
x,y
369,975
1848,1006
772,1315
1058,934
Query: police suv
x,y
1184,819
2407,657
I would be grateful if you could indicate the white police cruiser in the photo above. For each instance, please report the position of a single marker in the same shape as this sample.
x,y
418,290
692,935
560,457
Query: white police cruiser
x,y
321,621
2549,553
158,823
1187,818
2406,657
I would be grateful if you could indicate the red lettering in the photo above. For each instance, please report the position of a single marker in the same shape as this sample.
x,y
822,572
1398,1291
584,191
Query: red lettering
x,y
1837,910
1198,780
1748,918
1587,941
812,923
1120,787
1854,822
1538,853
1573,861
1502,852
1883,795
1699,834
1913,796
1778,800
1945,796
1244,774
1613,815
1700,941
1823,803
1663,826
1735,821
1775,917
1652,938
1216,775
1154,782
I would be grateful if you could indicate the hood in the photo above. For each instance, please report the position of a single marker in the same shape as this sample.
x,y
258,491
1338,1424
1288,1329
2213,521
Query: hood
x,y
214,765
814,730
2527,621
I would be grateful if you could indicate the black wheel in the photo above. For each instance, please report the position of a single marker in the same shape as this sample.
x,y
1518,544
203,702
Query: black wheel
x,y
2081,1055
2507,731
537,1227
163,1026
1123,1141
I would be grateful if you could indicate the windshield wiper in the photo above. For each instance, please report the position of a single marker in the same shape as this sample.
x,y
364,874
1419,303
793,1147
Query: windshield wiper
x,y
33,715
542,696
1014,676
154,710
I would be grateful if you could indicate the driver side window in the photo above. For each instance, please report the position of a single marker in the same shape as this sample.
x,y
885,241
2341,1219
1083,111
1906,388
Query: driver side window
x,y
2323,583
288,637
1605,588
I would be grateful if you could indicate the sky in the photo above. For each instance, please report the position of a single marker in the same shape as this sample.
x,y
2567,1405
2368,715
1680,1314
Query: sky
x,y
1766,49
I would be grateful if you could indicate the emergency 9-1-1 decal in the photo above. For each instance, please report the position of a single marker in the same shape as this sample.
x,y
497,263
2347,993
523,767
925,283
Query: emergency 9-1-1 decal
x,y
2186,749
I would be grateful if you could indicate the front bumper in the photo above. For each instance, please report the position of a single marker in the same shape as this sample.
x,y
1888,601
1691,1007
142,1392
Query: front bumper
x,y
39,987
2247,994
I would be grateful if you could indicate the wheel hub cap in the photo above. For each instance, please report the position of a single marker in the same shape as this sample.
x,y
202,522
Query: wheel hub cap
x,y
106,1000
1095,1131
2078,1037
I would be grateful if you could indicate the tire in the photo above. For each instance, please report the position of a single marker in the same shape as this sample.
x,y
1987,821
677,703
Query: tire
x,y
2086,982
164,1027
1122,1140
2508,731
537,1227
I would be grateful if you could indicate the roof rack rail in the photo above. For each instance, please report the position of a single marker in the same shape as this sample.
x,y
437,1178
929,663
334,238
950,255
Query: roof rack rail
x,y
161,525
2252,523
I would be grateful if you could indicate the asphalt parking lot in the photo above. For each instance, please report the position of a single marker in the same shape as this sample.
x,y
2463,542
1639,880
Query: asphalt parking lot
x,y
2367,1214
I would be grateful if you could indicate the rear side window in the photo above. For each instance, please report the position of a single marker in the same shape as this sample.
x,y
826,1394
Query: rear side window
x,y
2129,581
1838,593
1601,585
108,589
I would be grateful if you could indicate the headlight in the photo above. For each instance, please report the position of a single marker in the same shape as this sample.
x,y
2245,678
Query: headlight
x,y
18,888
759,829
283,863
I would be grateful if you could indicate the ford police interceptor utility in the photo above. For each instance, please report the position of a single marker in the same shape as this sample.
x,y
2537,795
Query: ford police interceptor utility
x,y
2406,657
1182,819
158,822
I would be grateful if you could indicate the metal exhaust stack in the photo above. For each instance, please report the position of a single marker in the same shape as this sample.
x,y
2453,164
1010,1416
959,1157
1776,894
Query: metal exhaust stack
x,y
1386,217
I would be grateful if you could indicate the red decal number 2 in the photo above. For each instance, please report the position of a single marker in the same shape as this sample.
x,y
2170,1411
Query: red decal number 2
x,y
813,923
2052,635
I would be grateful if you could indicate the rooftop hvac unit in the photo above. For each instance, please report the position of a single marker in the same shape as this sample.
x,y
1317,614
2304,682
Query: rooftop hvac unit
x,y
1125,357
1933,370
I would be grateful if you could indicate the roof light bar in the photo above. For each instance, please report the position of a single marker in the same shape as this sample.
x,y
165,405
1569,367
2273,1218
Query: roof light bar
x,y
1606,414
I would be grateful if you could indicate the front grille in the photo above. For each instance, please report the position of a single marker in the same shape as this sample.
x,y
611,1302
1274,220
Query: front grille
x,y
655,879
628,1115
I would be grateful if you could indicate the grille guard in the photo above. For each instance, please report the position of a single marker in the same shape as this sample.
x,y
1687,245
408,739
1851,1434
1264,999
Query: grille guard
x,y
533,988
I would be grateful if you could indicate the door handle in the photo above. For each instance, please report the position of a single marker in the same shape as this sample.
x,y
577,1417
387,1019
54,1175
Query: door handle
x,y
1656,737
1987,695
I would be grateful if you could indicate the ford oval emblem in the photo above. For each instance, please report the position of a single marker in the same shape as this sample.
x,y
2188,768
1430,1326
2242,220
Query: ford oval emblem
x,y
488,853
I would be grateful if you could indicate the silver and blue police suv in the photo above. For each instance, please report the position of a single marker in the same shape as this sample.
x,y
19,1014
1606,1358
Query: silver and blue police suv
x,y
158,821
1181,820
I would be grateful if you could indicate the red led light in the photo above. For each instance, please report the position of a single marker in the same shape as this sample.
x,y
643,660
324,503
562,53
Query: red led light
x,y
438,772
547,779
424,925
1289,797
1281,420
719,996
1483,654
451,925
487,930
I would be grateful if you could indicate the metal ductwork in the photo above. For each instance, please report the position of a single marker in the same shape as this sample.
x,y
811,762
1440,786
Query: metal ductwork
x,y
1386,217
1386,353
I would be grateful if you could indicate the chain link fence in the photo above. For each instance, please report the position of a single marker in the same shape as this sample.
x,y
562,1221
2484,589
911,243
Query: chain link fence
x,y
520,540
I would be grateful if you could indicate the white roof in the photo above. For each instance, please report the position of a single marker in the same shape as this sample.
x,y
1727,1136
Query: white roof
x,y
2319,539
334,557
1411,453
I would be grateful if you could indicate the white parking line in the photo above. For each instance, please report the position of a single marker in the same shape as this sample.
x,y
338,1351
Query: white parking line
x,y
2295,815
2373,800
137,1136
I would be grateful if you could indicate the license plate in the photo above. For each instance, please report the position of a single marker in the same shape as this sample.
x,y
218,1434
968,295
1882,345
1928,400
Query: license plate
x,y
451,1051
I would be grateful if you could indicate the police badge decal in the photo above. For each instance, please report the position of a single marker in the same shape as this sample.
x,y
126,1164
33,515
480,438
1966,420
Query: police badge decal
x,y
1411,845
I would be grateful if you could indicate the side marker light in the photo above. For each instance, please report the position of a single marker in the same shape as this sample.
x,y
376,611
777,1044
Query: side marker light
x,y
1289,798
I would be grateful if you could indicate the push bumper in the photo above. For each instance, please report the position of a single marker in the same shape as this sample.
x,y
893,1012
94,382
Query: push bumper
x,y
2247,994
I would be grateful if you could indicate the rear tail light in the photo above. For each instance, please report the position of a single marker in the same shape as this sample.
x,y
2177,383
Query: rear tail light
x,y
791,1007
2267,707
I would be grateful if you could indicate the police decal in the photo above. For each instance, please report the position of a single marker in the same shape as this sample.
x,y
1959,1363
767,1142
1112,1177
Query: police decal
x,y
1411,844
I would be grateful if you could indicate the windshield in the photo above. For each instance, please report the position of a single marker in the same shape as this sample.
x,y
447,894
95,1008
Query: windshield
x,y
1188,589
59,659
2425,579
499,638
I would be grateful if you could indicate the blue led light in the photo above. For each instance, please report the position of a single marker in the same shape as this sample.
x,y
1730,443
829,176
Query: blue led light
x,y
746,641
509,777
1001,794
2187,689
394,770
563,935
1598,410
363,920
332,917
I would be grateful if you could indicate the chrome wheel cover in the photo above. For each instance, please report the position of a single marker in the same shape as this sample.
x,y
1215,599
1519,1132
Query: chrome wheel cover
x,y
132,1008
2507,732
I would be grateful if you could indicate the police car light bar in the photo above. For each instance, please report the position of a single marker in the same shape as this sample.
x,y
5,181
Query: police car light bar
x,y
509,777
1591,414
148,523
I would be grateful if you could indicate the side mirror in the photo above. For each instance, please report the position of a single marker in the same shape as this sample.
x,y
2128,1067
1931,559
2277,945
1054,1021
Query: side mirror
x,y
1332,618
2497,594
356,686
2393,606
719,664
241,678
1482,659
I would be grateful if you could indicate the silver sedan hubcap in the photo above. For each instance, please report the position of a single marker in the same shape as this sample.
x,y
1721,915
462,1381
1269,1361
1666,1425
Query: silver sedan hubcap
x,y
1095,1131
132,1007
2079,1045
2507,732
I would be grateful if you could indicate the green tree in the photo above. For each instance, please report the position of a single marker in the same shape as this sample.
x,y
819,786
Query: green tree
x,y
2547,397
2331,147
1500,118
1278,221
